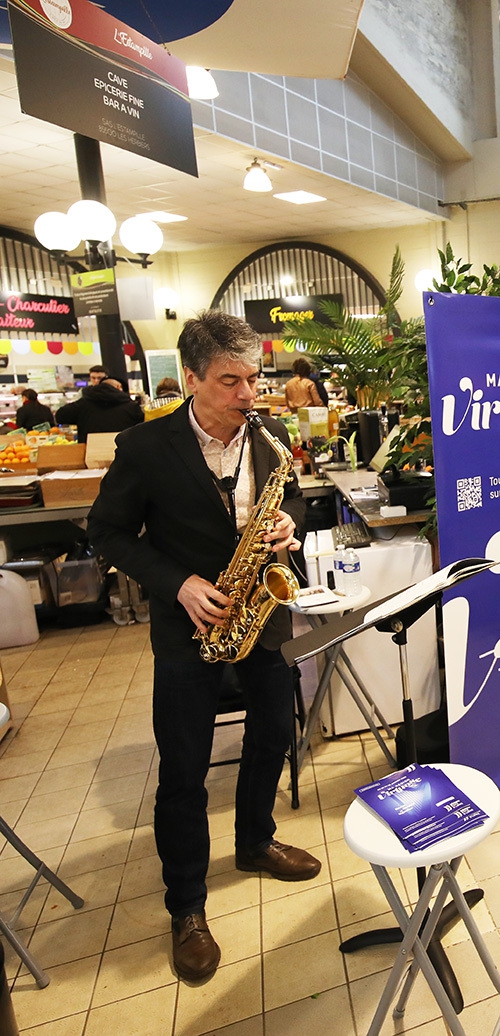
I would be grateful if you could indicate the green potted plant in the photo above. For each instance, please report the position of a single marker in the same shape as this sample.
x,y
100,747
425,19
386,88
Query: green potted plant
x,y
354,349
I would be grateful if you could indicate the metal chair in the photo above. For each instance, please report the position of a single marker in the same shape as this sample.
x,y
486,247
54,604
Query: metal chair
x,y
231,701
7,926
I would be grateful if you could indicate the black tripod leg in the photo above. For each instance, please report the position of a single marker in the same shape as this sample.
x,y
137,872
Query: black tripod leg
x,y
450,915
375,937
294,769
445,973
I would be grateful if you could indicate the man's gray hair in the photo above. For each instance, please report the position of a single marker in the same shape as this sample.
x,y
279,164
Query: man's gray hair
x,y
213,334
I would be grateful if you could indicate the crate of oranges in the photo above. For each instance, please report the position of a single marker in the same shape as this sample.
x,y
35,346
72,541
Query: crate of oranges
x,y
15,454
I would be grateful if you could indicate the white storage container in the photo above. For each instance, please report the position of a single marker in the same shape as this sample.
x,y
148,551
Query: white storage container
x,y
18,623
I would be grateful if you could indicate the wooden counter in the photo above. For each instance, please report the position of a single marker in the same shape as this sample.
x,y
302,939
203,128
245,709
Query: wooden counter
x,y
312,486
368,507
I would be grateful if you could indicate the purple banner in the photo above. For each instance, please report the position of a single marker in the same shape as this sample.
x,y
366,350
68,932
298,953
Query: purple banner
x,y
463,347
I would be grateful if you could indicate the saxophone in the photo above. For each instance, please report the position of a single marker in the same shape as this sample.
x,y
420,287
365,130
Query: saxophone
x,y
253,600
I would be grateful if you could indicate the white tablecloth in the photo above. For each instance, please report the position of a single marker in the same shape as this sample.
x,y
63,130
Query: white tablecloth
x,y
387,566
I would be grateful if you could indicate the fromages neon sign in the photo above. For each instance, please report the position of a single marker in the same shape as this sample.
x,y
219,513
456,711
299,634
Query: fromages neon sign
x,y
478,409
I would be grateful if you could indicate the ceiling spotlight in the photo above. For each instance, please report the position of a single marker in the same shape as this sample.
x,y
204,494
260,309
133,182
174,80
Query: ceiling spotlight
x,y
164,217
299,197
256,178
201,84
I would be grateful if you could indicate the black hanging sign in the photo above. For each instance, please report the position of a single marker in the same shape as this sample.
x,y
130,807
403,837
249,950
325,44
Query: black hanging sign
x,y
33,313
81,68
267,316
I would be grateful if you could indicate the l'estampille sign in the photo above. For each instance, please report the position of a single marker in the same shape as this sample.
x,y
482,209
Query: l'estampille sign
x,y
81,68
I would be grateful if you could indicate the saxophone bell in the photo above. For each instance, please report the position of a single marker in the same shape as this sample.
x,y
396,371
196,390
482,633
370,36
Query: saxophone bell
x,y
280,583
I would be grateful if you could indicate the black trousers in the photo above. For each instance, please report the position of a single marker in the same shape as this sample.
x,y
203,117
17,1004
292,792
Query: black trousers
x,y
184,709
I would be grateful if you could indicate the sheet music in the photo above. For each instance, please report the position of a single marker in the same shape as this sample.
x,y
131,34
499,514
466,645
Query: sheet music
x,y
442,580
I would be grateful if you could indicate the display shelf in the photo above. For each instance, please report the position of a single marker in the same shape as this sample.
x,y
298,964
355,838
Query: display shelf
x,y
44,514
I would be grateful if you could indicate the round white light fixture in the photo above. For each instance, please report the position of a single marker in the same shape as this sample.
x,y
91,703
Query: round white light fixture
x,y
92,220
54,231
256,178
166,298
423,280
141,235
201,84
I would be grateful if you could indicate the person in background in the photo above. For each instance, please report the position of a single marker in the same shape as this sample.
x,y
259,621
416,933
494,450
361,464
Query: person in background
x,y
322,393
168,387
97,373
171,476
105,407
301,389
32,412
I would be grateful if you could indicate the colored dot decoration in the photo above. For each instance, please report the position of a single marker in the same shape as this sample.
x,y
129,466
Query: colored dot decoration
x,y
23,346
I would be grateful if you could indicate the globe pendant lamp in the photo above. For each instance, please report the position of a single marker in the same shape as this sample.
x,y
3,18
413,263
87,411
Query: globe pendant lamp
x,y
140,235
92,220
256,178
56,233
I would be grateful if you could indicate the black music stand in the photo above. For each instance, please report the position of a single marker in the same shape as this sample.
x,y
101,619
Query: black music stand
x,y
395,615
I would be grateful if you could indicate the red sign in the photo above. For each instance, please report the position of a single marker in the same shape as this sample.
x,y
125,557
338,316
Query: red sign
x,y
83,21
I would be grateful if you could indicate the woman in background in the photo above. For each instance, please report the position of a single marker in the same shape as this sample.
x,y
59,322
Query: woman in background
x,y
169,388
32,412
301,390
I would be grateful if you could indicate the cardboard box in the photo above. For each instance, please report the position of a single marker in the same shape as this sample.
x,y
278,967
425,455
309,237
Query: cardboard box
x,y
20,470
70,488
313,420
7,440
53,457
100,449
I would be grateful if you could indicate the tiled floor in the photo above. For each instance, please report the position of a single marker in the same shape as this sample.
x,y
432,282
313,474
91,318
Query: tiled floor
x,y
77,781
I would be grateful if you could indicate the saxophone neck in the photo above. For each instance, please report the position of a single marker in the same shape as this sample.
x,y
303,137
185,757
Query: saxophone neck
x,y
256,422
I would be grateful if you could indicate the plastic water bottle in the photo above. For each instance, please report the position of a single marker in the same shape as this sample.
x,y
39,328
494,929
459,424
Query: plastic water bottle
x,y
338,567
352,573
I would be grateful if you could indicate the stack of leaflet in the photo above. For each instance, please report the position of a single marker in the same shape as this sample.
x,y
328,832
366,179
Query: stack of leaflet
x,y
422,806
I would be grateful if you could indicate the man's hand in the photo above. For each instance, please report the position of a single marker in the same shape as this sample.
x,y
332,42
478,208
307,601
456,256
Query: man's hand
x,y
204,604
283,533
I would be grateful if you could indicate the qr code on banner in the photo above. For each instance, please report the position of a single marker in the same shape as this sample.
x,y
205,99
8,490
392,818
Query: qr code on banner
x,y
469,493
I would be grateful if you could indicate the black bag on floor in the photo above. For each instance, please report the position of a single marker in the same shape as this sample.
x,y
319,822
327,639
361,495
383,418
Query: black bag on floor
x,y
431,735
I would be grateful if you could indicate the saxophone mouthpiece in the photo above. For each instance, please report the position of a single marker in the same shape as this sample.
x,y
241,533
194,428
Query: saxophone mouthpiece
x,y
253,418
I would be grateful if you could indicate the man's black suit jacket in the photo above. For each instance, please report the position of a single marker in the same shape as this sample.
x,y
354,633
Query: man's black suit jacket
x,y
159,518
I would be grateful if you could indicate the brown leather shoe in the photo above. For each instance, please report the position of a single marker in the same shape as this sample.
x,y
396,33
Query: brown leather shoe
x,y
282,861
196,954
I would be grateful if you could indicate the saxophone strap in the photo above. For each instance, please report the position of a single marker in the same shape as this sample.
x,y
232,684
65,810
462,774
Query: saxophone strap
x,y
227,485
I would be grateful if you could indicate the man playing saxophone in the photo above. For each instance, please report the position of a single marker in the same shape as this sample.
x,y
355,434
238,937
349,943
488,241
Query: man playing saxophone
x,y
170,512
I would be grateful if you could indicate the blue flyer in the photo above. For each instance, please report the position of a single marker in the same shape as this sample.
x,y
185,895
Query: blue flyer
x,y
421,805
